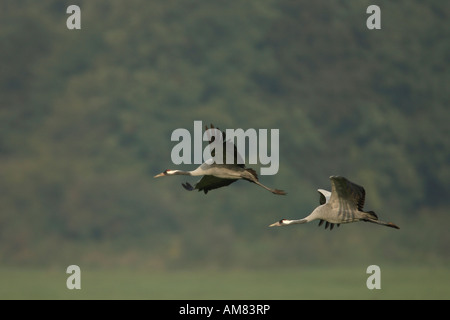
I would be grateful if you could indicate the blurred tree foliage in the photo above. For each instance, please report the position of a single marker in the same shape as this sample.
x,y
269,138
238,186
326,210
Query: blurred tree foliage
x,y
86,118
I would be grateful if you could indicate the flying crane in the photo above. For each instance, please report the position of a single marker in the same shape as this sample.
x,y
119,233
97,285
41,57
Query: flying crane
x,y
217,175
343,205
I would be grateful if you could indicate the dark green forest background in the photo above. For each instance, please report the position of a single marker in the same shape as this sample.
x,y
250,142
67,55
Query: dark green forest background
x,y
86,118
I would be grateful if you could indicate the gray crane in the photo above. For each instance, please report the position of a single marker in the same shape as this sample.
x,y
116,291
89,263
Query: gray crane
x,y
219,175
343,205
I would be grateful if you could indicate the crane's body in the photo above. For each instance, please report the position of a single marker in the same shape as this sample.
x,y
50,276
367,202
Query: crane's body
x,y
336,215
216,175
223,171
343,205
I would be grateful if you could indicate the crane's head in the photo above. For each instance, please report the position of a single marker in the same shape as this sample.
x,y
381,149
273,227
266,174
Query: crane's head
x,y
282,222
166,173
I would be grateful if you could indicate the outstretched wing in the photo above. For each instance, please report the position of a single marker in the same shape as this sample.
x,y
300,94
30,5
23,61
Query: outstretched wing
x,y
324,196
207,183
227,147
343,190
211,138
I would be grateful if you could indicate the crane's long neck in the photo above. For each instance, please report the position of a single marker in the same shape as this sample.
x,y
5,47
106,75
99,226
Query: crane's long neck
x,y
299,221
311,217
179,172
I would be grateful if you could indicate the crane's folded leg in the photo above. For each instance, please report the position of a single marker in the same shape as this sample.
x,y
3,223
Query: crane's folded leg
x,y
188,186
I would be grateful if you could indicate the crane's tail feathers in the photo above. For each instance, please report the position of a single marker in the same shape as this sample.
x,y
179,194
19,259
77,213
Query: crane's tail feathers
x,y
387,224
372,214
188,186
252,172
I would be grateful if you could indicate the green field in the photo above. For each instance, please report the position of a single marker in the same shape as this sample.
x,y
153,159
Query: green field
x,y
304,283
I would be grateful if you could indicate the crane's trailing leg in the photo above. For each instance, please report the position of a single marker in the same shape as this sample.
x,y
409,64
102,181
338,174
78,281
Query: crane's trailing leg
x,y
250,175
382,223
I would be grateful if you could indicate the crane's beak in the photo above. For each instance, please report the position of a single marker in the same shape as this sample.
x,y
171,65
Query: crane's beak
x,y
276,224
159,175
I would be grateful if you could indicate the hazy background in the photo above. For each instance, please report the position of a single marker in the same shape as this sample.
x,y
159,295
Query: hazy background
x,y
86,118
